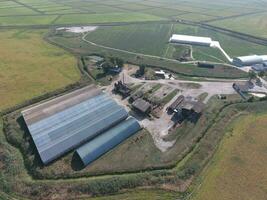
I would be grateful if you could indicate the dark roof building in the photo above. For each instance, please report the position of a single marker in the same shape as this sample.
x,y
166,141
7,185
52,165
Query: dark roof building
x,y
142,105
122,89
186,103
60,125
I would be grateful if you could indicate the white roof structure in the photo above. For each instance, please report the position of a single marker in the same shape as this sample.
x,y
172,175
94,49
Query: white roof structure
x,y
193,40
249,60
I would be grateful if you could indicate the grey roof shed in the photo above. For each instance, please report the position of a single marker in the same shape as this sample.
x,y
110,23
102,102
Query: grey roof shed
x,y
57,127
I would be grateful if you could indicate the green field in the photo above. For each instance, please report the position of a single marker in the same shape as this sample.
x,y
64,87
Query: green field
x,y
27,20
253,24
105,18
238,170
30,67
149,39
16,11
79,11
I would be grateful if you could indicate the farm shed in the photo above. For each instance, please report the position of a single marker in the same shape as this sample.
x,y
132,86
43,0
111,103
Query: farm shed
x,y
191,40
108,140
174,106
249,60
61,124
142,105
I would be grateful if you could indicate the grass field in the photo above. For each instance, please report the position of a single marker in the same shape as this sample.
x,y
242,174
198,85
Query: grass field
x,y
148,39
29,66
257,24
238,170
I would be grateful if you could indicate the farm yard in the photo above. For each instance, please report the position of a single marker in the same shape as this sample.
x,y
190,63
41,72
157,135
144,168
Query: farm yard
x,y
43,47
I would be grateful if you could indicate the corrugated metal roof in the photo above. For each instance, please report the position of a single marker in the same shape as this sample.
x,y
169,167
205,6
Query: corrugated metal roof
x,y
190,39
108,140
63,130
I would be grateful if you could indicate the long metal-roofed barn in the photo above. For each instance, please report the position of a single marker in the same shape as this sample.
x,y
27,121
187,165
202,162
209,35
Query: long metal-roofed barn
x,y
250,60
108,140
191,40
62,124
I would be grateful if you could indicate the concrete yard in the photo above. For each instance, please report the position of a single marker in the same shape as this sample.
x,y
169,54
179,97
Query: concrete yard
x,y
159,127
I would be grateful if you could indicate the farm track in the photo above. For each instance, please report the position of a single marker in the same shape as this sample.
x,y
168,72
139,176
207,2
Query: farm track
x,y
232,17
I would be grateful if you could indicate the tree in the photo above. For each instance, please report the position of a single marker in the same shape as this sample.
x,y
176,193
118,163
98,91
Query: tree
x,y
252,75
119,62
115,62
261,74
141,70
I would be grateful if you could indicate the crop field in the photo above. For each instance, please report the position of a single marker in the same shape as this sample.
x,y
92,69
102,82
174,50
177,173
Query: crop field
x,y
148,39
105,18
82,12
29,66
253,24
241,155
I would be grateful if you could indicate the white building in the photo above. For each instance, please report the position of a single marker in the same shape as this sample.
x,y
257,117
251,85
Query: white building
x,y
191,40
250,60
